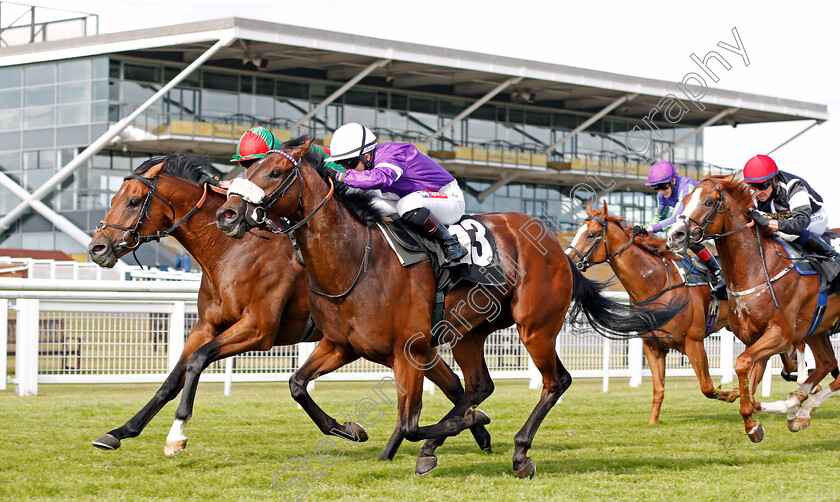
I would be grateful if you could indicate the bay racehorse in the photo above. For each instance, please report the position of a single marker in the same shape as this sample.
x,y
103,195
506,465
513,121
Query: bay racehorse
x,y
369,305
771,309
253,292
645,268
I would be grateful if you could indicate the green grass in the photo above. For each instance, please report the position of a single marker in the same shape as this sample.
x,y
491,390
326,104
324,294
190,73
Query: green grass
x,y
592,446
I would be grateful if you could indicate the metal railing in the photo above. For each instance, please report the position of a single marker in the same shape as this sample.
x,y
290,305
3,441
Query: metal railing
x,y
129,331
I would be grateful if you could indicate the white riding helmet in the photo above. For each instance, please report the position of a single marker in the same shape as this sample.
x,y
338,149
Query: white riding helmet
x,y
350,141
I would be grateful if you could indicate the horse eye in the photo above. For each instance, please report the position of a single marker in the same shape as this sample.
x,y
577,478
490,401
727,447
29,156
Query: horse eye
x,y
276,173
709,202
134,203
591,235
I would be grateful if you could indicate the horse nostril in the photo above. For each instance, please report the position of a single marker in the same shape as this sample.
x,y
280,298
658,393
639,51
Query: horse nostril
x,y
98,249
229,214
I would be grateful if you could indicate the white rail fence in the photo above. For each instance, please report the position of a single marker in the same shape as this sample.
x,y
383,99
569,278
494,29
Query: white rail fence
x,y
134,331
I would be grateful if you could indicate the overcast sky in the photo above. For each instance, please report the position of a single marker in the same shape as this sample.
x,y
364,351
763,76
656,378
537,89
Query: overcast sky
x,y
792,49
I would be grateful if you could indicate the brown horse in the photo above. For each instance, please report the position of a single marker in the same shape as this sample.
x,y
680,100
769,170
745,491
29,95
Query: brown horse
x,y
253,292
757,274
643,265
369,305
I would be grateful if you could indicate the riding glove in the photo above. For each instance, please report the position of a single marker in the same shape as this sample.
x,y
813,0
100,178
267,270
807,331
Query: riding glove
x,y
640,230
759,218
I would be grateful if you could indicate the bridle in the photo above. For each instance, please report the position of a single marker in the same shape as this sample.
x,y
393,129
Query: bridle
x,y
260,210
718,207
132,239
584,263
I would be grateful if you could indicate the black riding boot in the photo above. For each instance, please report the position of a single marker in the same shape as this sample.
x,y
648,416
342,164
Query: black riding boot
x,y
717,275
424,219
816,245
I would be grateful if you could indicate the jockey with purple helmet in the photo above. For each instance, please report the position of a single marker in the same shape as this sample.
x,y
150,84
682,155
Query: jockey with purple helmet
x,y
672,188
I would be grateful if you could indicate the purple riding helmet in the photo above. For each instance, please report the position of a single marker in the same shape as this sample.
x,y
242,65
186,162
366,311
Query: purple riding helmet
x,y
661,172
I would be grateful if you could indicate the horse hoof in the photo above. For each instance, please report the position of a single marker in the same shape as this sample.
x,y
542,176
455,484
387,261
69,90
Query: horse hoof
x,y
487,449
173,448
816,389
757,434
480,418
425,465
528,470
107,442
798,424
360,434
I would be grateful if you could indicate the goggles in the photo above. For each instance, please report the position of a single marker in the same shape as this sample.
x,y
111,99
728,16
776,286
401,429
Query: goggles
x,y
761,186
348,163
661,186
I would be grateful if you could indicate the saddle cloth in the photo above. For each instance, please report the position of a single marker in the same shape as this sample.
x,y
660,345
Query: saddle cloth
x,y
694,273
806,263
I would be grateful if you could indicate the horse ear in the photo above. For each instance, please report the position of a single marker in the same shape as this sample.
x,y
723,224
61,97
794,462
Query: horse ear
x,y
604,210
153,171
301,150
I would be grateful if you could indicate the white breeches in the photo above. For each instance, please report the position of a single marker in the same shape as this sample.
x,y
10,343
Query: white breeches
x,y
447,205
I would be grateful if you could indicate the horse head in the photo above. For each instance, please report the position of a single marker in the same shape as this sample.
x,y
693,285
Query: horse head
x,y
589,246
272,189
715,206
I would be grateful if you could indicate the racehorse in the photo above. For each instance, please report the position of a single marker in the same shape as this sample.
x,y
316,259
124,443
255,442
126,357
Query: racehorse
x,y
646,270
368,305
253,292
770,308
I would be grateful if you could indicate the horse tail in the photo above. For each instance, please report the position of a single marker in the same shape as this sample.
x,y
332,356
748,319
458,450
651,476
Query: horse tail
x,y
611,318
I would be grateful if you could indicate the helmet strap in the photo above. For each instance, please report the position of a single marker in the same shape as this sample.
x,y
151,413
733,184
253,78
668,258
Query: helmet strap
x,y
368,163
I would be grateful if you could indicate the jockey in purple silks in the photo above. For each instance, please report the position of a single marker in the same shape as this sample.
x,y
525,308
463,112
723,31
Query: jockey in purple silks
x,y
406,181
671,189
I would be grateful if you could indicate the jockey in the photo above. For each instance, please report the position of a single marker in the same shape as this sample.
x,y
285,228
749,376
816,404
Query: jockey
x,y
671,189
257,141
408,182
787,204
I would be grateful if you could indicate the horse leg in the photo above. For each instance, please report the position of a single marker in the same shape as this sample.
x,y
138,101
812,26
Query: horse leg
x,y
199,335
750,367
656,361
442,375
803,416
824,358
469,352
696,353
556,379
327,356
241,337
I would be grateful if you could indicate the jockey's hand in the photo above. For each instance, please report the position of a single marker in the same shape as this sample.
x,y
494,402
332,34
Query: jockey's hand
x,y
640,230
758,218
336,175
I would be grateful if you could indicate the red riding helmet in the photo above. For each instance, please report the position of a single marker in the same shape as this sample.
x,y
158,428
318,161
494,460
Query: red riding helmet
x,y
760,168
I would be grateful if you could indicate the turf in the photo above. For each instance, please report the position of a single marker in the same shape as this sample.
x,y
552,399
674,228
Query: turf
x,y
593,446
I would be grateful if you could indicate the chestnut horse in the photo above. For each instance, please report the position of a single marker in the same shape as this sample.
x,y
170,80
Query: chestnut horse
x,y
253,292
756,273
643,265
369,305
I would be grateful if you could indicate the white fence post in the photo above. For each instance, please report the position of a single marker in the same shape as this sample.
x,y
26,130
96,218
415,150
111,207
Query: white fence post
x,y
228,374
606,365
4,341
765,380
176,333
534,376
304,351
26,347
635,355
727,356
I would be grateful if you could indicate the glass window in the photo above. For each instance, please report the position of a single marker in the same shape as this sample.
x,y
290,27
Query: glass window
x,y
10,77
35,178
38,138
10,99
71,135
399,102
422,105
293,90
221,81
142,73
78,69
114,69
73,114
74,93
265,86
100,67
100,89
133,92
38,116
99,112
39,96
191,80
246,83
9,140
39,74
224,103
362,98
9,120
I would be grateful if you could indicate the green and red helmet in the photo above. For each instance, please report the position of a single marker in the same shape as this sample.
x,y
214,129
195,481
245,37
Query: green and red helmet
x,y
254,144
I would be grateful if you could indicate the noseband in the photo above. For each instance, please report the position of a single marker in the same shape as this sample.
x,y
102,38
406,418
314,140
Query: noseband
x,y
584,264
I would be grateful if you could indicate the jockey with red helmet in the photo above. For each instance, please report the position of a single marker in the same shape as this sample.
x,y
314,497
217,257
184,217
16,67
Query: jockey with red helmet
x,y
257,141
406,182
672,188
787,204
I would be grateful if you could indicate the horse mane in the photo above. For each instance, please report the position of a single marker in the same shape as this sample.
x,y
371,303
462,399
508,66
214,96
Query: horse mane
x,y
358,202
187,167
649,243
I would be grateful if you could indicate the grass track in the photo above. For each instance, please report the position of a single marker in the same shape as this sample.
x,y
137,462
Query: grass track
x,y
593,446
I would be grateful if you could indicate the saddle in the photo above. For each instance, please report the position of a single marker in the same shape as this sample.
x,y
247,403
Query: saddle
x,y
481,265
695,273
807,263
